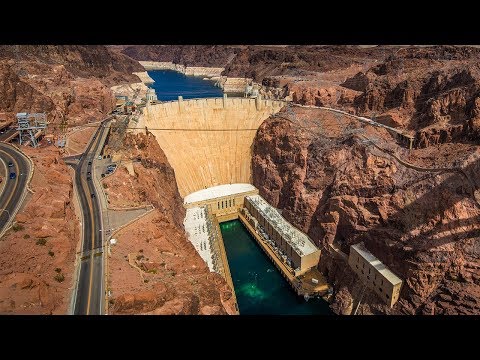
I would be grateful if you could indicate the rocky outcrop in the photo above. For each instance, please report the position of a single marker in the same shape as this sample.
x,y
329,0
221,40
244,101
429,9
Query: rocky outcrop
x,y
37,255
187,55
67,82
86,61
154,269
434,90
340,190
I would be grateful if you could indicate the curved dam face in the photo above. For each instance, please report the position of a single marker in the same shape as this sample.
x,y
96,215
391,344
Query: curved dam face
x,y
208,142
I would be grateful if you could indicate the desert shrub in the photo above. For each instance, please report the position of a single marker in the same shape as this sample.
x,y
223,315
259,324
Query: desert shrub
x,y
59,278
17,227
41,242
51,253
26,236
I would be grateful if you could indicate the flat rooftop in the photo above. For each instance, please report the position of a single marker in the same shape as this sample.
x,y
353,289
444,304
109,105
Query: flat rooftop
x,y
377,264
299,241
217,192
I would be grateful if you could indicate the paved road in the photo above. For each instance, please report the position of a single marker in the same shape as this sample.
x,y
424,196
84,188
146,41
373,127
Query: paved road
x,y
14,190
7,134
90,292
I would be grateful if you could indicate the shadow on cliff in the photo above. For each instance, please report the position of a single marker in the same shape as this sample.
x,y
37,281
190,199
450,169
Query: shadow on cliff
x,y
443,197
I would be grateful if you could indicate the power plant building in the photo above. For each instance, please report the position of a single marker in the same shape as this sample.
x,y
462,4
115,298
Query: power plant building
x,y
294,244
374,274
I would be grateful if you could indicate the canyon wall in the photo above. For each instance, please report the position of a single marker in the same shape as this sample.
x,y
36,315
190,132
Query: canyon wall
x,y
164,274
67,82
228,84
208,141
37,254
339,188
433,90
187,70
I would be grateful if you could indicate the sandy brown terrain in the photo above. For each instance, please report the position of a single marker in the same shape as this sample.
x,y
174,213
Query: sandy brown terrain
x,y
37,255
78,140
68,83
153,268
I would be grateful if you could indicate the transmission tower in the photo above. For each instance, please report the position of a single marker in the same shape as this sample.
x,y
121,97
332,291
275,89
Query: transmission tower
x,y
30,125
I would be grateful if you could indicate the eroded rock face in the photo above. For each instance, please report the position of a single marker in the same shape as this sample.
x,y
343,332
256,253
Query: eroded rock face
x,y
433,90
37,256
66,82
165,274
188,55
334,186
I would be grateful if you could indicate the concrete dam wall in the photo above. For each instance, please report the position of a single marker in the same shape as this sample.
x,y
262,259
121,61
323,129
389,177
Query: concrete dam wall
x,y
208,142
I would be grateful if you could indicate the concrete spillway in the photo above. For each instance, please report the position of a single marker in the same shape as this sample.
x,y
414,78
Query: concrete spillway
x,y
208,142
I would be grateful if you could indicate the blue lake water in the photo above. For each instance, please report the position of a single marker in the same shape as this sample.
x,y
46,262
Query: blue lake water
x,y
170,84
259,286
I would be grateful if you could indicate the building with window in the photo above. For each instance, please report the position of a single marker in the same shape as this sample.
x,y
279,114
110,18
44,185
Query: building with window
x,y
224,201
300,252
374,274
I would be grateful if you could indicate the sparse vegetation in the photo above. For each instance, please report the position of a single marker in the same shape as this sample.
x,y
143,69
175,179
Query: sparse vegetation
x,y
145,280
51,253
17,227
41,241
58,270
59,278
105,186
140,257
26,236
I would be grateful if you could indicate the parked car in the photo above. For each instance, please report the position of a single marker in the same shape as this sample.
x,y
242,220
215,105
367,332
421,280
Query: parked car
x,y
13,175
10,164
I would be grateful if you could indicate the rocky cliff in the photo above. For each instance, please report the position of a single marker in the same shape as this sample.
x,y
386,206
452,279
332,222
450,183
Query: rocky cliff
x,y
154,269
338,187
260,61
37,255
433,90
187,55
66,82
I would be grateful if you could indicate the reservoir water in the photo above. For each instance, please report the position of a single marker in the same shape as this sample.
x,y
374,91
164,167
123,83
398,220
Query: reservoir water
x,y
170,84
259,286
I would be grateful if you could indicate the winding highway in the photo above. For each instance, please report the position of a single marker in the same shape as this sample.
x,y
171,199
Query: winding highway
x,y
90,292
14,190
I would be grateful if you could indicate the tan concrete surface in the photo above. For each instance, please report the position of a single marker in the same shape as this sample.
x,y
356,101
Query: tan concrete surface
x,y
208,142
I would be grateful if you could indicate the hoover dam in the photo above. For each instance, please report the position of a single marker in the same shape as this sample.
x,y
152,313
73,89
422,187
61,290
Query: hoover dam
x,y
208,142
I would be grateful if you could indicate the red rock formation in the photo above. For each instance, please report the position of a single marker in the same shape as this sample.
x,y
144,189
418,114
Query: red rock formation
x,y
66,82
340,190
171,277
433,90
188,55
37,256
259,61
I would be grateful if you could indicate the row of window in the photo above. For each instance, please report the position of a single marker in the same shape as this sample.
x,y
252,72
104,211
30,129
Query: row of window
x,y
369,272
225,203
